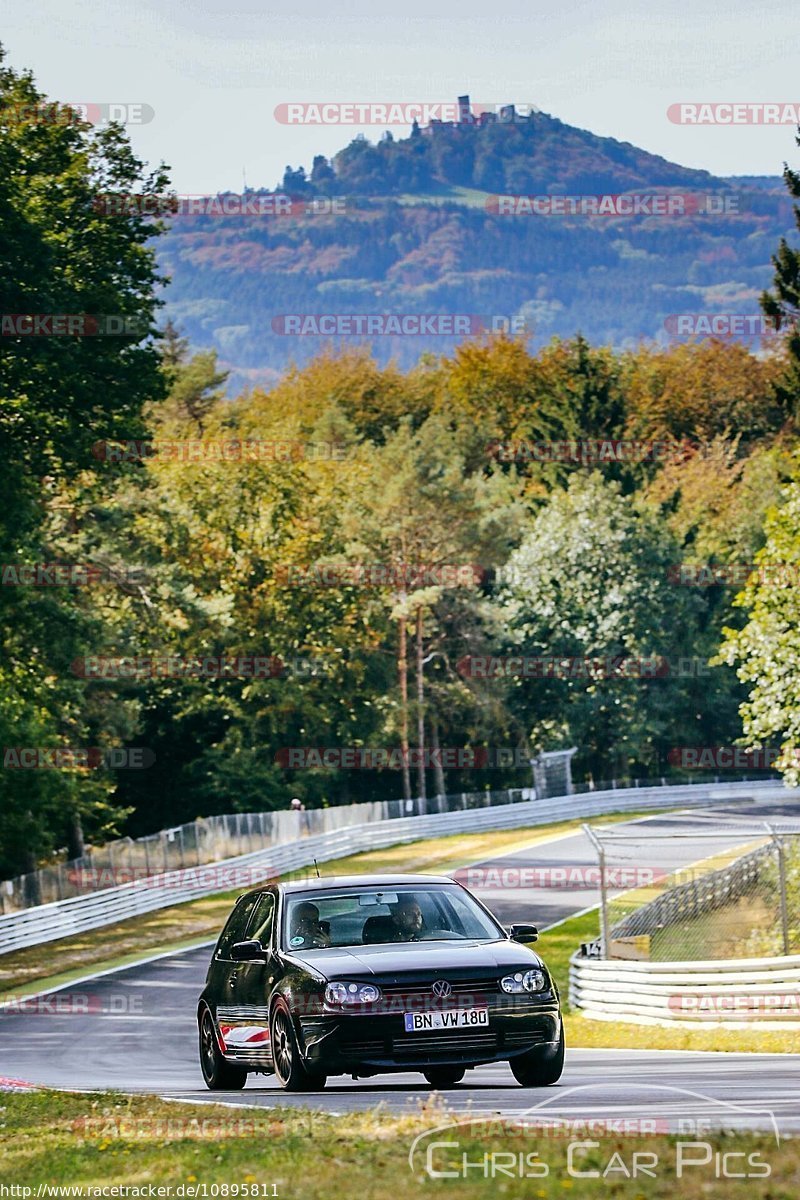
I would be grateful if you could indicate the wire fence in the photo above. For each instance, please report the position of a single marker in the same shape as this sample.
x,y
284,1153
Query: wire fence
x,y
212,839
740,898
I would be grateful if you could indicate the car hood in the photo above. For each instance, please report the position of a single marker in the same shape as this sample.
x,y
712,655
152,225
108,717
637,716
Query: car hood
x,y
408,961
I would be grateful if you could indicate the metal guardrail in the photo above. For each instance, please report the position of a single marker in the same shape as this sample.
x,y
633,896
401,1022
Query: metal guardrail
x,y
49,922
735,992
213,839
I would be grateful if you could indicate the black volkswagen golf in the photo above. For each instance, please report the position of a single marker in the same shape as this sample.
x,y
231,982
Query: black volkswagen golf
x,y
363,974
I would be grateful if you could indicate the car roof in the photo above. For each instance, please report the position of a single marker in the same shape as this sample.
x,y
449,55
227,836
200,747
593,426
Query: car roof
x,y
339,882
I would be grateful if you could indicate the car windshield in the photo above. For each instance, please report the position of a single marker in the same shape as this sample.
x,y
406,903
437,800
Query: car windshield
x,y
371,916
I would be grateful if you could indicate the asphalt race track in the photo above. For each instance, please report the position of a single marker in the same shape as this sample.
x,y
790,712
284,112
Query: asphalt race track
x,y
134,1029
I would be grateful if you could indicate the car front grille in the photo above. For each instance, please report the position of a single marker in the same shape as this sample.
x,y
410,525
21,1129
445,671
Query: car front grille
x,y
524,1037
430,1045
459,988
368,1049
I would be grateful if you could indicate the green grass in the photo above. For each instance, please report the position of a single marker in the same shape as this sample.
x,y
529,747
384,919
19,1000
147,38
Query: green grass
x,y
447,194
107,1140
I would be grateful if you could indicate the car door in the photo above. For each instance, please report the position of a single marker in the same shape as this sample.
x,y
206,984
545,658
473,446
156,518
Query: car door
x,y
222,969
224,972
252,987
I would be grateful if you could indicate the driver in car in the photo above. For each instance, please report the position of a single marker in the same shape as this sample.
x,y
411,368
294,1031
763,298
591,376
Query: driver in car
x,y
407,920
307,930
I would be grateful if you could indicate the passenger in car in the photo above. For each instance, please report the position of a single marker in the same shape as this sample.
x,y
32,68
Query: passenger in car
x,y
307,929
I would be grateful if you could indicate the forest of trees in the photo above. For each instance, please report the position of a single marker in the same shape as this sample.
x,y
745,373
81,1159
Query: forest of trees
x,y
618,280
365,530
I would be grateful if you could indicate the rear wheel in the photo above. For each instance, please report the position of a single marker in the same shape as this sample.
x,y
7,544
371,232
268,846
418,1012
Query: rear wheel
x,y
442,1077
220,1075
539,1068
289,1069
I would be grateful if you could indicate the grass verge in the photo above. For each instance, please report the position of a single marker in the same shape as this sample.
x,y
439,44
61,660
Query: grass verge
x,y
292,1154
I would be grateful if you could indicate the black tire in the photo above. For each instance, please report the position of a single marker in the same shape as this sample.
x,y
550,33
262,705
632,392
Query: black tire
x,y
539,1068
290,1072
442,1077
219,1075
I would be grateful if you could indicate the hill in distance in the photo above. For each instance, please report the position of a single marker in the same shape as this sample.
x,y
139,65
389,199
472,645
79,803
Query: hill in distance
x,y
411,226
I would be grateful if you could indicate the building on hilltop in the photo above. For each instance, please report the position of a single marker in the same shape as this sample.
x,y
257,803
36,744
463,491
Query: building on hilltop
x,y
466,118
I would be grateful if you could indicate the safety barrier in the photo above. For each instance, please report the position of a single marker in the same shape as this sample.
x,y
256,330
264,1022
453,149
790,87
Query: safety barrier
x,y
49,922
734,992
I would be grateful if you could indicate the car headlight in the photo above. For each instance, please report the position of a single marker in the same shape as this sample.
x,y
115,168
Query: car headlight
x,y
524,981
344,993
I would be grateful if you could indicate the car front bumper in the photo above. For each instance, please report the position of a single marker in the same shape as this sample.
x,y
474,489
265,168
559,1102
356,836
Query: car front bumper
x,y
355,1044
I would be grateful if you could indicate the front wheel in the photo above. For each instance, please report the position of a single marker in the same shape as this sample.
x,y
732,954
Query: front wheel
x,y
220,1075
539,1068
442,1077
289,1069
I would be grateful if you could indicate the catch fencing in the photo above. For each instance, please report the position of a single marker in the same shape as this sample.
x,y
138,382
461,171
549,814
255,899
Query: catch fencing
x,y
215,840
741,898
326,834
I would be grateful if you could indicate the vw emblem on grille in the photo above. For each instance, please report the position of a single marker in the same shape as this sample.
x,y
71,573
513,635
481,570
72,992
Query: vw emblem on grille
x,y
442,988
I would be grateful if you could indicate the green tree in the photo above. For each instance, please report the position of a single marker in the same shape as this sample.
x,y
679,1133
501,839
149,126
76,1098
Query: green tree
x,y
782,305
588,585
766,651
419,511
59,396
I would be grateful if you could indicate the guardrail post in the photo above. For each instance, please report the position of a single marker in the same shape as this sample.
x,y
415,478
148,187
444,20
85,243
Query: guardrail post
x,y
601,856
778,842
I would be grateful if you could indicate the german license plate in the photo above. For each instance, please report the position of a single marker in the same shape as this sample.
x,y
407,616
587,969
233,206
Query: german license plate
x,y
455,1018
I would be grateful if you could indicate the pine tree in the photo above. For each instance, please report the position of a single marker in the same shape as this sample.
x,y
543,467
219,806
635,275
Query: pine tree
x,y
782,306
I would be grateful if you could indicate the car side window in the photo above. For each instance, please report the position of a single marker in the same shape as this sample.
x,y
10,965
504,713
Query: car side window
x,y
262,918
234,931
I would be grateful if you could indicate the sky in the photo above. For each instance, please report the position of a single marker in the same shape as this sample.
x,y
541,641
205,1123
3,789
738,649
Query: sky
x,y
214,71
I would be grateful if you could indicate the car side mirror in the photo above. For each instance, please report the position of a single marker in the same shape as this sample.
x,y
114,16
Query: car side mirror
x,y
251,951
523,933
